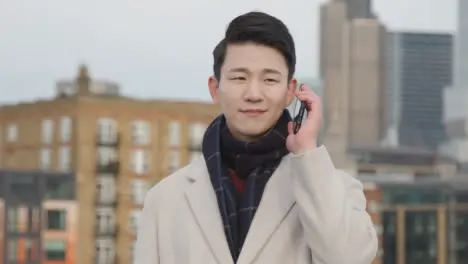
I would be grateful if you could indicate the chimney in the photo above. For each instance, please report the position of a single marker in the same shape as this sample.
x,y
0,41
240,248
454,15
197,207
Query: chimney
x,y
83,81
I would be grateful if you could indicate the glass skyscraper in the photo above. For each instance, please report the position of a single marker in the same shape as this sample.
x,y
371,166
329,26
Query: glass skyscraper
x,y
419,67
456,95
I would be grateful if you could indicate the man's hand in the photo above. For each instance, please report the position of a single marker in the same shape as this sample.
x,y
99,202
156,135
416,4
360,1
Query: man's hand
x,y
306,137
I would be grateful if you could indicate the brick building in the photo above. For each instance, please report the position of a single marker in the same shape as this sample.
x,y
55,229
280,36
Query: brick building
x,y
116,147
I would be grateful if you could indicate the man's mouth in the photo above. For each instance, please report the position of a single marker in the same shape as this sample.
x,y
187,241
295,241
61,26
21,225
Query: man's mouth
x,y
253,112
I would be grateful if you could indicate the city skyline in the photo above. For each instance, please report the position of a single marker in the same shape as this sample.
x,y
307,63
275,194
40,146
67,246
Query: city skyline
x,y
117,147
130,53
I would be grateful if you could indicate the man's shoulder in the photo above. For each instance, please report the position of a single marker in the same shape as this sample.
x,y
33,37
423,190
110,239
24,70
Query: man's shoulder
x,y
174,184
170,183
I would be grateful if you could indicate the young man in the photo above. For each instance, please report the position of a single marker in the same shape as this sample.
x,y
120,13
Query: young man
x,y
260,193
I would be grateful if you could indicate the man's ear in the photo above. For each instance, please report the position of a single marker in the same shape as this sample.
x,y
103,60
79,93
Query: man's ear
x,y
213,86
291,91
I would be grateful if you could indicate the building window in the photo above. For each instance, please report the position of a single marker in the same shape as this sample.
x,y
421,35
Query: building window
x,y
56,219
174,134
196,133
141,132
65,129
23,189
105,250
36,220
13,219
105,220
106,155
107,130
64,158
139,189
106,189
174,161
47,131
135,220
23,219
32,249
12,133
55,249
12,249
46,158
58,189
140,161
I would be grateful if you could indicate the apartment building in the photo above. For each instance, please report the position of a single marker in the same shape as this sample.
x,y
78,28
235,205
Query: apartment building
x,y
37,211
117,148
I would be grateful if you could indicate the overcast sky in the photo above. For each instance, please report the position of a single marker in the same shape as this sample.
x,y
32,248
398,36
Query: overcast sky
x,y
155,48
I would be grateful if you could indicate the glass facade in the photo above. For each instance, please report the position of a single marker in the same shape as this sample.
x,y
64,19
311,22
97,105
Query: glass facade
x,y
421,237
415,196
419,69
461,245
389,241
431,221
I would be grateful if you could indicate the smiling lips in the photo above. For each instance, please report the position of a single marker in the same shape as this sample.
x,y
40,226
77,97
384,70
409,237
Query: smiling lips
x,y
253,112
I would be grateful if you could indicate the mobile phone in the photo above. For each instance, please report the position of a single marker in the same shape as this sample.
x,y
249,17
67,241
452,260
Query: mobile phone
x,y
297,121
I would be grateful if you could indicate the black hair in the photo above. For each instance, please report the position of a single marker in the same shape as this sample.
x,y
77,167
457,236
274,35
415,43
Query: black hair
x,y
259,28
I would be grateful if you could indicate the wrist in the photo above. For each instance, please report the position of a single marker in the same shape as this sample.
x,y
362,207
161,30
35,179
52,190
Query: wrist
x,y
305,148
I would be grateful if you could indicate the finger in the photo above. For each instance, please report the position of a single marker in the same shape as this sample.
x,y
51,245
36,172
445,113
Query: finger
x,y
313,102
290,128
305,89
307,98
307,93
315,110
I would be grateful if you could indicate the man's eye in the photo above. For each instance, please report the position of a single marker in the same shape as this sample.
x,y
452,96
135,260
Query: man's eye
x,y
238,78
271,81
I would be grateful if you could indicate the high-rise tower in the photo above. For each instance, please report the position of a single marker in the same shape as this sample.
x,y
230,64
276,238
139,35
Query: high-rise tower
x,y
352,68
456,96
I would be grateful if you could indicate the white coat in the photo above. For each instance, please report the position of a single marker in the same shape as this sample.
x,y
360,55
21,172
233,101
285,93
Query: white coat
x,y
310,213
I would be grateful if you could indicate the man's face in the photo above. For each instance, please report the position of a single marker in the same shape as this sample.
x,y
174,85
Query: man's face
x,y
253,89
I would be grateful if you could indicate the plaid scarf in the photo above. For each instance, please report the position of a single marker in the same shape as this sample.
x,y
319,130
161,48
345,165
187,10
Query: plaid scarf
x,y
254,162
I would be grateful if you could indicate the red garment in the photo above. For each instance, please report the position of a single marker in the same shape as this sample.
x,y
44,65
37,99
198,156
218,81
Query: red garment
x,y
238,182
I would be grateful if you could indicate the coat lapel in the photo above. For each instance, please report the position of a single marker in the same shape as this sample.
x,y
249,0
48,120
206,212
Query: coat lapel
x,y
275,204
203,204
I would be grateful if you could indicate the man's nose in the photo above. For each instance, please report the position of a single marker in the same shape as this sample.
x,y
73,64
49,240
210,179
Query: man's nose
x,y
253,93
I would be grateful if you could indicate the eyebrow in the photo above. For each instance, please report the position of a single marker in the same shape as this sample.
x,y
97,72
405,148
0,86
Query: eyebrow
x,y
265,70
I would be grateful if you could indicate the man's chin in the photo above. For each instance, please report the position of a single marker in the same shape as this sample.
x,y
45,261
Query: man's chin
x,y
254,133
249,130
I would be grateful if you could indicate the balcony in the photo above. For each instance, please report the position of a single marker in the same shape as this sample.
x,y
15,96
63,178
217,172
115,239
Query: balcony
x,y
100,260
108,168
105,260
108,140
106,230
105,255
106,201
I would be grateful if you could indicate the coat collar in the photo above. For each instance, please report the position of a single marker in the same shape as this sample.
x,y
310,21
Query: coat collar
x,y
276,203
